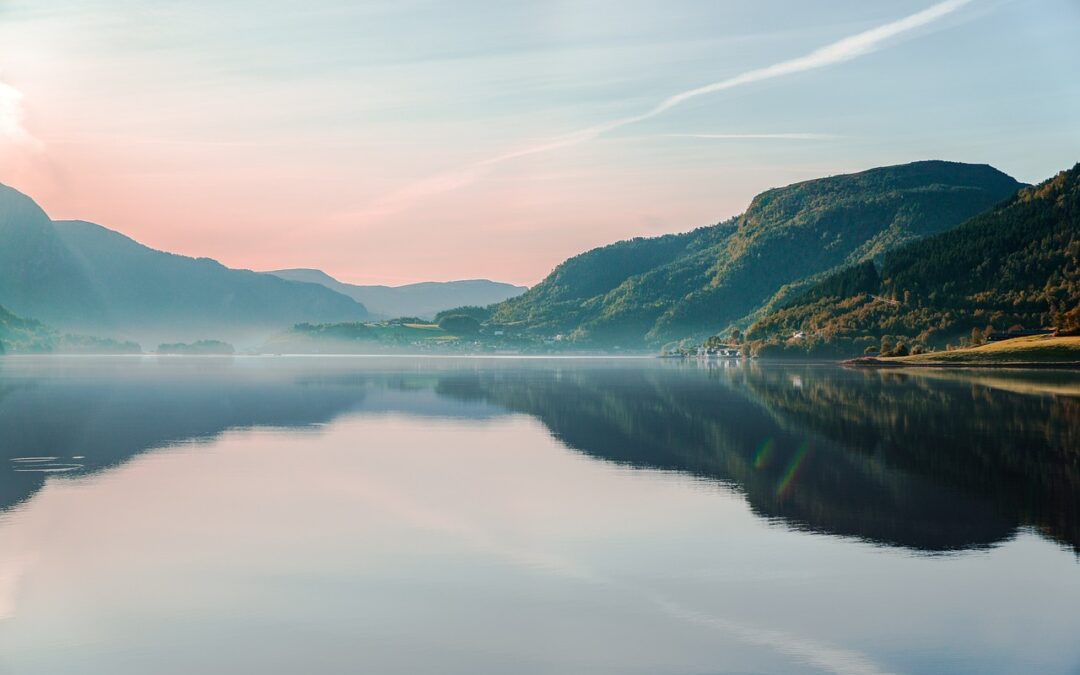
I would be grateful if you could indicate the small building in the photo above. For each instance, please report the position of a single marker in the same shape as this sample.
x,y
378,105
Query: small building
x,y
720,352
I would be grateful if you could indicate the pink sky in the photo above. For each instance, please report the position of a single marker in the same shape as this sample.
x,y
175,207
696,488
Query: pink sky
x,y
289,203
266,213
397,143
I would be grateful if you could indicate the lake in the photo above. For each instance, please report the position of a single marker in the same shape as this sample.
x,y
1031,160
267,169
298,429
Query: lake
x,y
429,515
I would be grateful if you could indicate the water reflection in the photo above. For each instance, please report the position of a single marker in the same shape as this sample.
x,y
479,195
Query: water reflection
x,y
929,463
898,459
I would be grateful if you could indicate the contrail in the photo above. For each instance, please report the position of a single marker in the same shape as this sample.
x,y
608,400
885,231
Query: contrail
x,y
840,51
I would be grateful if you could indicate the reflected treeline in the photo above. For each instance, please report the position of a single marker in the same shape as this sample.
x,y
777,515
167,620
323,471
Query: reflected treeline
x,y
900,460
74,417
92,420
714,425
1011,439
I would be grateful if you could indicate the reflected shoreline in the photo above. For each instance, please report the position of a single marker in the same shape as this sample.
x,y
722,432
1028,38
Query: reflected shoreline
x,y
929,462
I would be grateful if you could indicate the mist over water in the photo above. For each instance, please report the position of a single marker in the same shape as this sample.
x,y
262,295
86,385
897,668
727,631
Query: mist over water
x,y
471,515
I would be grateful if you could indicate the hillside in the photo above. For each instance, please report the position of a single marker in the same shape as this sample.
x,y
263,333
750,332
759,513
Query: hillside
x,y
364,338
21,335
1022,352
649,291
1016,265
424,299
82,277
36,268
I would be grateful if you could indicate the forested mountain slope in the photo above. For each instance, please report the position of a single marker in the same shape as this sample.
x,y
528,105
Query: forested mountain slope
x,y
1018,264
645,292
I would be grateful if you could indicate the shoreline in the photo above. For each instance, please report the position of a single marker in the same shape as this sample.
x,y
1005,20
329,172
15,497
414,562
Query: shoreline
x,y
864,362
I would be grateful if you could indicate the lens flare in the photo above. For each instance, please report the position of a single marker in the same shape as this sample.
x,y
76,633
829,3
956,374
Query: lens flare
x,y
763,456
792,473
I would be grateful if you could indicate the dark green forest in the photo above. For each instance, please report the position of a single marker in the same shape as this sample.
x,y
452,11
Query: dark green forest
x,y
1015,266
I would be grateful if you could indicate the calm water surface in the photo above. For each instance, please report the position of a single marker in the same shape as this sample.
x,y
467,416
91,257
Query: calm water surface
x,y
399,515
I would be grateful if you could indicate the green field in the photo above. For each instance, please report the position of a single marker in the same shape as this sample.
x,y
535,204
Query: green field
x,y
1038,350
363,337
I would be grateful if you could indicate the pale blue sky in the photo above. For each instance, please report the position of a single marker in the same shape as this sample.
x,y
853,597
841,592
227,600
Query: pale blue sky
x,y
370,139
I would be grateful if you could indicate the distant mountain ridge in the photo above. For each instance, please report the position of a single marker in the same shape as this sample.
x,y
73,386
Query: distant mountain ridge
x,y
647,291
423,299
82,277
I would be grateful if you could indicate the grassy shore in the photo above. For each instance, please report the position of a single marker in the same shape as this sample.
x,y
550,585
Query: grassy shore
x,y
1040,351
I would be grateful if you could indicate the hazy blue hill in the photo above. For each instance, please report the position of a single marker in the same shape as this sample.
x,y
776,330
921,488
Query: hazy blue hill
x,y
423,299
36,266
648,291
1018,263
83,277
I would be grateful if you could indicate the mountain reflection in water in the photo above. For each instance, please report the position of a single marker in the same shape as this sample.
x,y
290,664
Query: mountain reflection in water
x,y
926,463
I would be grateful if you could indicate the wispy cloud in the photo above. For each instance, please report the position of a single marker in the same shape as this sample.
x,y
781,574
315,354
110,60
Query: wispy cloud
x,y
843,50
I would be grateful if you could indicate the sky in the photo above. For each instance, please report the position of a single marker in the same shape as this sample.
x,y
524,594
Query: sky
x,y
413,140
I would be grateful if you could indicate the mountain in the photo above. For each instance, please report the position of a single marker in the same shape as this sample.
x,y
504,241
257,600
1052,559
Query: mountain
x,y
647,291
1015,265
83,277
422,300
